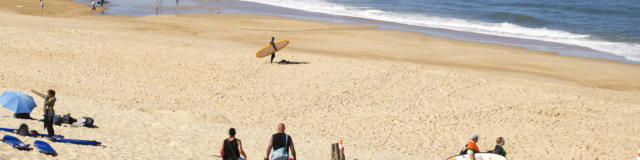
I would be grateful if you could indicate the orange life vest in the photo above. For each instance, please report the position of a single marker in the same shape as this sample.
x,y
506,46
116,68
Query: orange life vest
x,y
472,145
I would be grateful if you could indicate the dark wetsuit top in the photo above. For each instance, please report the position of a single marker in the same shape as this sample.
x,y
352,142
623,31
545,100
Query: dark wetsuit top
x,y
500,151
275,48
231,149
274,45
279,141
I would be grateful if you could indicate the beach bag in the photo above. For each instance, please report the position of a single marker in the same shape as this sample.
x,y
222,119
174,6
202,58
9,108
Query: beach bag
x,y
68,119
281,153
57,120
88,121
23,130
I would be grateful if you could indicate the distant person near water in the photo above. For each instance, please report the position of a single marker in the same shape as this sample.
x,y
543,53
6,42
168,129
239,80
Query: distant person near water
x,y
231,147
280,143
41,4
499,150
471,147
274,47
49,102
93,6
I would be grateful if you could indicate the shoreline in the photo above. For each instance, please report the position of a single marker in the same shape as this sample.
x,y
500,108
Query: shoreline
x,y
170,86
612,85
241,7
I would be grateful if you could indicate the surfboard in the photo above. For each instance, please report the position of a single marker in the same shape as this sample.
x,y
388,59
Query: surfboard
x,y
268,50
75,141
46,135
8,129
32,133
478,156
15,142
44,147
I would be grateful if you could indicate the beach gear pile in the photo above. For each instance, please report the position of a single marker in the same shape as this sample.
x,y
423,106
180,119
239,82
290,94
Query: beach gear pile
x,y
41,146
67,119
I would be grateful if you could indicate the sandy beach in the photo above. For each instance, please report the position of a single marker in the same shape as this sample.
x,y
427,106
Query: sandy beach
x,y
170,86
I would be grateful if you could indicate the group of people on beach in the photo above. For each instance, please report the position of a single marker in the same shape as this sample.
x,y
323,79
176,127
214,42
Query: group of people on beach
x,y
280,145
471,147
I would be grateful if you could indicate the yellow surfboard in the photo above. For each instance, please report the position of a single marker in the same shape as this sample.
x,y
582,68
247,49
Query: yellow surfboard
x,y
268,50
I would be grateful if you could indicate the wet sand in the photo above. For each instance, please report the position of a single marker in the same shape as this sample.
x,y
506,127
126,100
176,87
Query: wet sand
x,y
170,86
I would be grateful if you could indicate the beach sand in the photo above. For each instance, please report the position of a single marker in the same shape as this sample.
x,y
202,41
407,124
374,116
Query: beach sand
x,y
170,86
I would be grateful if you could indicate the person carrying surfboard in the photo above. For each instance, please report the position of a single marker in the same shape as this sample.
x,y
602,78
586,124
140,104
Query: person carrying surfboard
x,y
274,47
472,147
499,150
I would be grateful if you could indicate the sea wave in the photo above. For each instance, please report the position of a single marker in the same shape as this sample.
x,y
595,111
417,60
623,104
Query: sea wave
x,y
630,51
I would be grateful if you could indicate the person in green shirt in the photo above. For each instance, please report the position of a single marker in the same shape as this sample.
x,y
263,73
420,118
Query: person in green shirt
x,y
499,150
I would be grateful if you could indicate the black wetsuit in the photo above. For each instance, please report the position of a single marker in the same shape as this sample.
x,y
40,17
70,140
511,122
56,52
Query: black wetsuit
x,y
48,122
500,151
275,48
231,150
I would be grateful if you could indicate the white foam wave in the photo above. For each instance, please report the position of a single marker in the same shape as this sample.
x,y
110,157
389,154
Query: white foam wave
x,y
628,50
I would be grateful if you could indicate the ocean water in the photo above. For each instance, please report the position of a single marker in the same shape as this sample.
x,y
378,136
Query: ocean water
x,y
594,28
608,26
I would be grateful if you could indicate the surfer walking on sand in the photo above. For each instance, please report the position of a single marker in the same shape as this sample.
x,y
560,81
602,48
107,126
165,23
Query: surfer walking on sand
x,y
273,44
471,147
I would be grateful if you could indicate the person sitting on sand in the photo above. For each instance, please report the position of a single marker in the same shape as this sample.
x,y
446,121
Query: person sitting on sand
x,y
280,143
231,147
274,47
23,130
499,150
472,147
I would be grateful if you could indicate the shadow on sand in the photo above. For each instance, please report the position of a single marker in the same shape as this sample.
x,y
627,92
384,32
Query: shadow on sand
x,y
291,62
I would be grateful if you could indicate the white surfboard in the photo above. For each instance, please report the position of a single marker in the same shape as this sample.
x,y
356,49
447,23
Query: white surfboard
x,y
478,156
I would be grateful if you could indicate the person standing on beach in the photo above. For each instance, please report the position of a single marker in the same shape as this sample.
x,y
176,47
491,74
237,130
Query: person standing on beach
x,y
231,147
101,3
41,4
280,143
93,6
49,102
274,47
